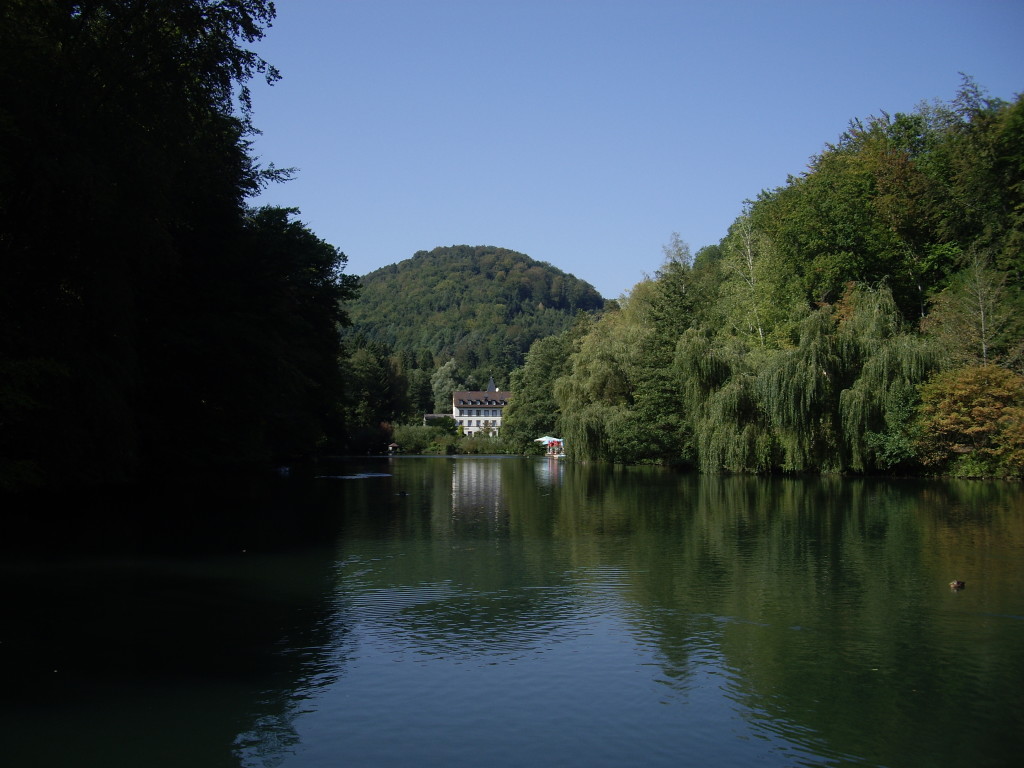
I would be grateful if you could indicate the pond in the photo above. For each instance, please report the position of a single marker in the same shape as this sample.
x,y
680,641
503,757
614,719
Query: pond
x,y
507,611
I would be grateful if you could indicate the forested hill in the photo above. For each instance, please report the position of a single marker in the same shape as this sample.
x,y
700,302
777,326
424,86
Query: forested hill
x,y
479,305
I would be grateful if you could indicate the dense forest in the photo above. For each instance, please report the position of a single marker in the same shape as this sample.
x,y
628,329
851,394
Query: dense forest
x,y
864,317
481,306
148,318
447,319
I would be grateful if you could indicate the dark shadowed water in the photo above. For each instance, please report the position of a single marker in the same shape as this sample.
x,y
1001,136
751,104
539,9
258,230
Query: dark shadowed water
x,y
510,612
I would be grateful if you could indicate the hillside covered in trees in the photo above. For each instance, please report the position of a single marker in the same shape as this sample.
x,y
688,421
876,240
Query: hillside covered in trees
x,y
864,317
479,305
148,318
447,319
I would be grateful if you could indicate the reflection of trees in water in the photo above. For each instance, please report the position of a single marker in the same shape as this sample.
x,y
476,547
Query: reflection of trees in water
x,y
310,646
315,658
312,655
188,613
818,606
464,584
826,596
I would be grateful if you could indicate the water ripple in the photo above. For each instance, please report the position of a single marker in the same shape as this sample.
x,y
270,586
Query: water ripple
x,y
435,619
359,476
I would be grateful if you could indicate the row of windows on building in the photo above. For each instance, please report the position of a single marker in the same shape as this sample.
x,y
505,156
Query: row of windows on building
x,y
469,423
480,412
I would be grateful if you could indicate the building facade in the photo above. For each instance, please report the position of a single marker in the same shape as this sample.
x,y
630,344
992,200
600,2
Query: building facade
x,y
480,412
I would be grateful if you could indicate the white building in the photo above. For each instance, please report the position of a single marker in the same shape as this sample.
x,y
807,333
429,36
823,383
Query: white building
x,y
480,411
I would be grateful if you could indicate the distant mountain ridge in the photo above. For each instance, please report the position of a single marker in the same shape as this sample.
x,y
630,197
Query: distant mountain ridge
x,y
482,306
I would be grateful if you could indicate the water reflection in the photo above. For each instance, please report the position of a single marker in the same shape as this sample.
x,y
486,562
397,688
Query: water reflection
x,y
476,488
656,616
508,611
549,471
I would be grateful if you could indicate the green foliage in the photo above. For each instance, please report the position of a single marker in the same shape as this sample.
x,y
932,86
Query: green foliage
x,y
285,310
972,422
534,410
688,294
899,198
367,387
146,316
721,401
834,401
419,394
418,438
453,318
800,341
893,446
441,437
877,408
760,296
480,306
442,384
618,402
446,424
445,445
482,444
973,318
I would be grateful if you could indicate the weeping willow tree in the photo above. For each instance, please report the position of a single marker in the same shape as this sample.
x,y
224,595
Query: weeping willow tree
x,y
582,422
844,398
732,431
799,389
597,384
719,395
877,410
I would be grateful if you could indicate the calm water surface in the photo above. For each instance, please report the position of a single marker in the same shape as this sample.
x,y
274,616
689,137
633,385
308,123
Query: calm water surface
x,y
508,612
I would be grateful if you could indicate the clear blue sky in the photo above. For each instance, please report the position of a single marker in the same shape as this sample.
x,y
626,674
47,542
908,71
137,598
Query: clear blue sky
x,y
585,132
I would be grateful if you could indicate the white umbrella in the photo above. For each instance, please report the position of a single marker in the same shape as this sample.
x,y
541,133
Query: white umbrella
x,y
547,440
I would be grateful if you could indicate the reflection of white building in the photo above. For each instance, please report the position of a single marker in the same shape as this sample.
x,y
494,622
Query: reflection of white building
x,y
476,486
548,471
480,412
